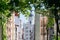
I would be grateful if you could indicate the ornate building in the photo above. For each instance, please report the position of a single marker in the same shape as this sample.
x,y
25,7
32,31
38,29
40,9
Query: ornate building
x,y
14,27
11,27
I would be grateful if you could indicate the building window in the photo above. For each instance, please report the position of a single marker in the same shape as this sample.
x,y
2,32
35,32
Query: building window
x,y
30,22
26,34
17,25
26,31
26,38
26,27
16,29
8,29
15,33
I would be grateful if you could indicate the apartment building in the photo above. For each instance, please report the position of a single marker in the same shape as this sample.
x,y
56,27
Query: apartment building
x,y
14,27
17,27
10,27
40,27
43,31
28,29
28,32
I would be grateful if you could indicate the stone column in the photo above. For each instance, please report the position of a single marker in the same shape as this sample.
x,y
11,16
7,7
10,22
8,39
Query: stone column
x,y
37,26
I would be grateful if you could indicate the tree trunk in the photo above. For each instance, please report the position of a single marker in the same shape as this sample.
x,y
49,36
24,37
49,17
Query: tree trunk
x,y
1,26
0,33
47,33
55,11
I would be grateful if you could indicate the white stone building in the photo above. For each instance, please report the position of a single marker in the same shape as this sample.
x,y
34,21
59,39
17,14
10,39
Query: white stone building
x,y
29,29
18,28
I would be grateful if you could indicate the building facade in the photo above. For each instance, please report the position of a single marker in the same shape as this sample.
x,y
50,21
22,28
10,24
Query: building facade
x,y
29,29
11,28
28,32
43,27
14,27
18,28
40,27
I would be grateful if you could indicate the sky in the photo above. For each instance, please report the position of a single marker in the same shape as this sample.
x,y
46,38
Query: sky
x,y
23,18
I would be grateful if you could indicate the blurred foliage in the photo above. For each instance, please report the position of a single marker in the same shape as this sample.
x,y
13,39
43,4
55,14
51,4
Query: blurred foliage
x,y
4,32
6,6
55,37
50,3
50,22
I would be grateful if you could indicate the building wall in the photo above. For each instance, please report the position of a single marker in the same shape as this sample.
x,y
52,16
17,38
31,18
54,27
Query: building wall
x,y
28,31
32,32
10,28
40,27
43,31
21,29
14,27
18,27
